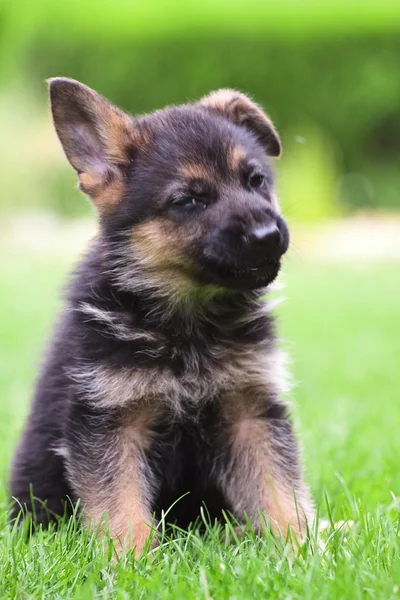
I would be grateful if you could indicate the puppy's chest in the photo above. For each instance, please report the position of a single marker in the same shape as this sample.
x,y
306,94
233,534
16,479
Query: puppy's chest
x,y
186,375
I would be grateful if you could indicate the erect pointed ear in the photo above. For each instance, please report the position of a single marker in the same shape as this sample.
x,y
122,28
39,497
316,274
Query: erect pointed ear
x,y
96,138
239,109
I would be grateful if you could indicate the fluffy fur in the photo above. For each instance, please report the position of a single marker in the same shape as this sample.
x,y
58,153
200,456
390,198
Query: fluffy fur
x,y
163,375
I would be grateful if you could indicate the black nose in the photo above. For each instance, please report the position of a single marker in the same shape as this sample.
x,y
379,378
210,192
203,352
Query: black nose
x,y
265,240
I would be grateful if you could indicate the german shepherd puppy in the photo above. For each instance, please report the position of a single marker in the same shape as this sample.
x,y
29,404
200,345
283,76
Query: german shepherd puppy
x,y
163,376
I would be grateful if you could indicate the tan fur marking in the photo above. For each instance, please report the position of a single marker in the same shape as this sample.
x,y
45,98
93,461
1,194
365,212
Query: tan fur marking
x,y
110,195
120,133
90,183
104,195
155,242
159,247
235,157
196,171
277,499
260,479
125,506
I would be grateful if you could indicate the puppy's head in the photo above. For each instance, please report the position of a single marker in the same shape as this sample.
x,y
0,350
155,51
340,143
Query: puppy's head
x,y
187,190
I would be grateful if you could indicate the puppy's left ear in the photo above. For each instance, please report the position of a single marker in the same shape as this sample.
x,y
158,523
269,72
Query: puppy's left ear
x,y
96,137
242,111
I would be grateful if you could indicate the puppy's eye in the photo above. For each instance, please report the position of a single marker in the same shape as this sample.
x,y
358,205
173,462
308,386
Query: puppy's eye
x,y
256,181
189,201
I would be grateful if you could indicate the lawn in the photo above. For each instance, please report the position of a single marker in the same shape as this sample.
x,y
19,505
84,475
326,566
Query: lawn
x,y
342,329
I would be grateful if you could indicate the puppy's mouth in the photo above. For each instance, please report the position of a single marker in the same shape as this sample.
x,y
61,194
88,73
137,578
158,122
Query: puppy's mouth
x,y
241,277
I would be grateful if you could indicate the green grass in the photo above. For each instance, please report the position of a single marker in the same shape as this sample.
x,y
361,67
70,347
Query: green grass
x,y
342,329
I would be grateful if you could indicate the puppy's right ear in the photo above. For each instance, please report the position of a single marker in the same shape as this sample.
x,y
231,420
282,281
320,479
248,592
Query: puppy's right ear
x,y
96,137
239,109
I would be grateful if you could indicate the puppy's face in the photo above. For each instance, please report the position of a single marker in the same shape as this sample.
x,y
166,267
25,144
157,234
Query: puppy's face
x,y
190,187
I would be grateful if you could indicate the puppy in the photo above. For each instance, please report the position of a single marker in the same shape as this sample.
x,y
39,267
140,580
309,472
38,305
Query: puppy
x,y
163,376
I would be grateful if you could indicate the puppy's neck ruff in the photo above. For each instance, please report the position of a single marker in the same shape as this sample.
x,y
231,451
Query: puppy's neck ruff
x,y
169,293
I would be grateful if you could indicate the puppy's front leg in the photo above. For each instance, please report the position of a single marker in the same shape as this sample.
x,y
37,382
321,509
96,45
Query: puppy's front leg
x,y
261,470
107,469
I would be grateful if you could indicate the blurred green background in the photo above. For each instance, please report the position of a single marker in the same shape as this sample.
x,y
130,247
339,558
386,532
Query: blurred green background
x,y
327,72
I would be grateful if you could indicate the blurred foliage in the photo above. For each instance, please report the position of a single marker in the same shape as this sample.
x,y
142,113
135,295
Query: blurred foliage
x,y
326,72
